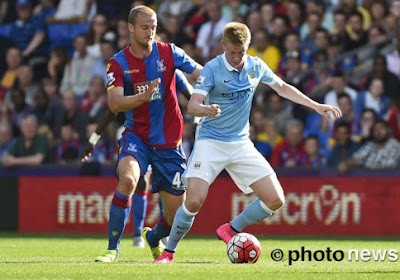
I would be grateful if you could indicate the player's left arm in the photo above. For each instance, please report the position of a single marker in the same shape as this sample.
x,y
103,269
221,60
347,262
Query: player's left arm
x,y
182,84
290,92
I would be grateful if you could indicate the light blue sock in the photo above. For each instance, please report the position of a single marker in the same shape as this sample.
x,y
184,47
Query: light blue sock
x,y
253,213
183,221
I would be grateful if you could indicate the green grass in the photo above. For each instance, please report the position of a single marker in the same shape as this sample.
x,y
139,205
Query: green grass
x,y
71,257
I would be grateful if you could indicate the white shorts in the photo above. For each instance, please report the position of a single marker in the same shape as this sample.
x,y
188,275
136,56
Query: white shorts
x,y
241,160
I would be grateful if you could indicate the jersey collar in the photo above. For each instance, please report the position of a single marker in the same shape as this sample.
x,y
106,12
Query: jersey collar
x,y
230,67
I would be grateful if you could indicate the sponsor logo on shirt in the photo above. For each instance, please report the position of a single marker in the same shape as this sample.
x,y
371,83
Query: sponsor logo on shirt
x,y
141,88
131,71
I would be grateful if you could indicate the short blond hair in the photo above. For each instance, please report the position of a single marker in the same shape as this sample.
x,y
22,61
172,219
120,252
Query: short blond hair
x,y
237,34
134,13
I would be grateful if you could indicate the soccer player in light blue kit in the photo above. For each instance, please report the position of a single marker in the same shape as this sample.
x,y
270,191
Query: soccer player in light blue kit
x,y
228,83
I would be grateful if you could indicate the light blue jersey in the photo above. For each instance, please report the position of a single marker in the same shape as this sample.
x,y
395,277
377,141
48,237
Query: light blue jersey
x,y
233,92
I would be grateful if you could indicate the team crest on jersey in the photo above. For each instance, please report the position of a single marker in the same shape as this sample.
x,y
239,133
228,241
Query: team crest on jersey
x,y
132,148
160,65
251,75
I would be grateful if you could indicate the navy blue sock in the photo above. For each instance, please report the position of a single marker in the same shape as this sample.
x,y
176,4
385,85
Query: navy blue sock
x,y
119,213
161,230
139,201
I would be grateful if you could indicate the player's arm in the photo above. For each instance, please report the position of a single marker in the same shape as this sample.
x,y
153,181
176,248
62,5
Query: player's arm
x,y
198,109
290,92
182,84
195,74
95,137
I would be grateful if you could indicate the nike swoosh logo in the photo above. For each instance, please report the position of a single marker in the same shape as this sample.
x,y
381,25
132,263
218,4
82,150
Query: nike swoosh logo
x,y
181,227
227,81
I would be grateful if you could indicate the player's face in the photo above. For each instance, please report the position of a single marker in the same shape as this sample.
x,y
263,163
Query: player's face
x,y
144,30
235,54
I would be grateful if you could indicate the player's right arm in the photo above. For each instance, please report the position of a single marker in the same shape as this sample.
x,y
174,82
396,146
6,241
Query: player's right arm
x,y
204,84
115,90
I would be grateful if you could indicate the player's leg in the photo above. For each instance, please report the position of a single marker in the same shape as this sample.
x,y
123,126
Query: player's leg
x,y
200,173
270,198
139,206
132,157
251,172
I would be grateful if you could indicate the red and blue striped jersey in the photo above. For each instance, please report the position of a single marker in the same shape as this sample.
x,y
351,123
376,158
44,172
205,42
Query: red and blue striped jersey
x,y
158,122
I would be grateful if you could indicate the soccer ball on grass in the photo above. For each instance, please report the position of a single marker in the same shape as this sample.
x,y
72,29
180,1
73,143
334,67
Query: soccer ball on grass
x,y
243,248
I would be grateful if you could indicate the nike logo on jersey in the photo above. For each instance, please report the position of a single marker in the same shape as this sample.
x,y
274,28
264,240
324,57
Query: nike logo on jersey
x,y
227,81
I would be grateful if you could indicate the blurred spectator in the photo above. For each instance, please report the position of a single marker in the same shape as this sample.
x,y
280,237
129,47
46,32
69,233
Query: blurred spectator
x,y
293,68
391,23
325,21
211,31
395,8
290,151
172,30
270,134
339,85
364,126
262,48
335,49
72,11
257,120
13,61
174,8
296,13
393,59
30,148
27,83
376,34
7,11
351,7
339,22
234,8
312,156
194,19
382,152
391,81
77,72
281,27
378,10
393,119
55,66
27,32
357,34
277,111
50,88
267,15
100,65
20,108
6,139
263,147
313,22
40,105
97,30
70,113
373,98
68,151
123,37
344,147
254,22
94,102
291,46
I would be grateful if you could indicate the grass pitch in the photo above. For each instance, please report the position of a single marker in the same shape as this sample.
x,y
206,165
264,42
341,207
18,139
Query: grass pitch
x,y
71,257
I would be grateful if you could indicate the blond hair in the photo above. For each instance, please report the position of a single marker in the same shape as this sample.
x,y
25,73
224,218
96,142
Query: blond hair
x,y
237,34
134,13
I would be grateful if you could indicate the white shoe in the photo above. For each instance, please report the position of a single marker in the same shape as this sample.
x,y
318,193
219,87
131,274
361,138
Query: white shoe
x,y
138,242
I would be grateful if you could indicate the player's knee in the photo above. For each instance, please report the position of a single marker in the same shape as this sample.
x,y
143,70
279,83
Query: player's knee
x,y
128,182
193,204
276,203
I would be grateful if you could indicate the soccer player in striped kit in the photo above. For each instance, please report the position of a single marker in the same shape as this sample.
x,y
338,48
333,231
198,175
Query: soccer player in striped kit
x,y
141,83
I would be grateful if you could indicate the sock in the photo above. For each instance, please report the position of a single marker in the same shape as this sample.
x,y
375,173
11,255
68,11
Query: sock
x,y
139,201
161,230
253,213
119,213
183,221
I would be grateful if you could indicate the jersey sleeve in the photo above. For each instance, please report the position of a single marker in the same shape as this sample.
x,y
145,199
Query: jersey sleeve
x,y
267,75
181,81
115,77
205,81
182,61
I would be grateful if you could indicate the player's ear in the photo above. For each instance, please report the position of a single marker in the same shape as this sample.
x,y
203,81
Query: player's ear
x,y
130,27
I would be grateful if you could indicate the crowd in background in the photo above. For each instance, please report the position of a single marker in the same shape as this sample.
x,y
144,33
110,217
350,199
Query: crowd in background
x,y
54,54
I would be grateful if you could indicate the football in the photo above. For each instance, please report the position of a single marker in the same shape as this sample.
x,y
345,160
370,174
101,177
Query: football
x,y
244,248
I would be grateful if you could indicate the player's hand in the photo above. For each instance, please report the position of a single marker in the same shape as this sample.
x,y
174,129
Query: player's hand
x,y
148,94
214,111
87,152
328,111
